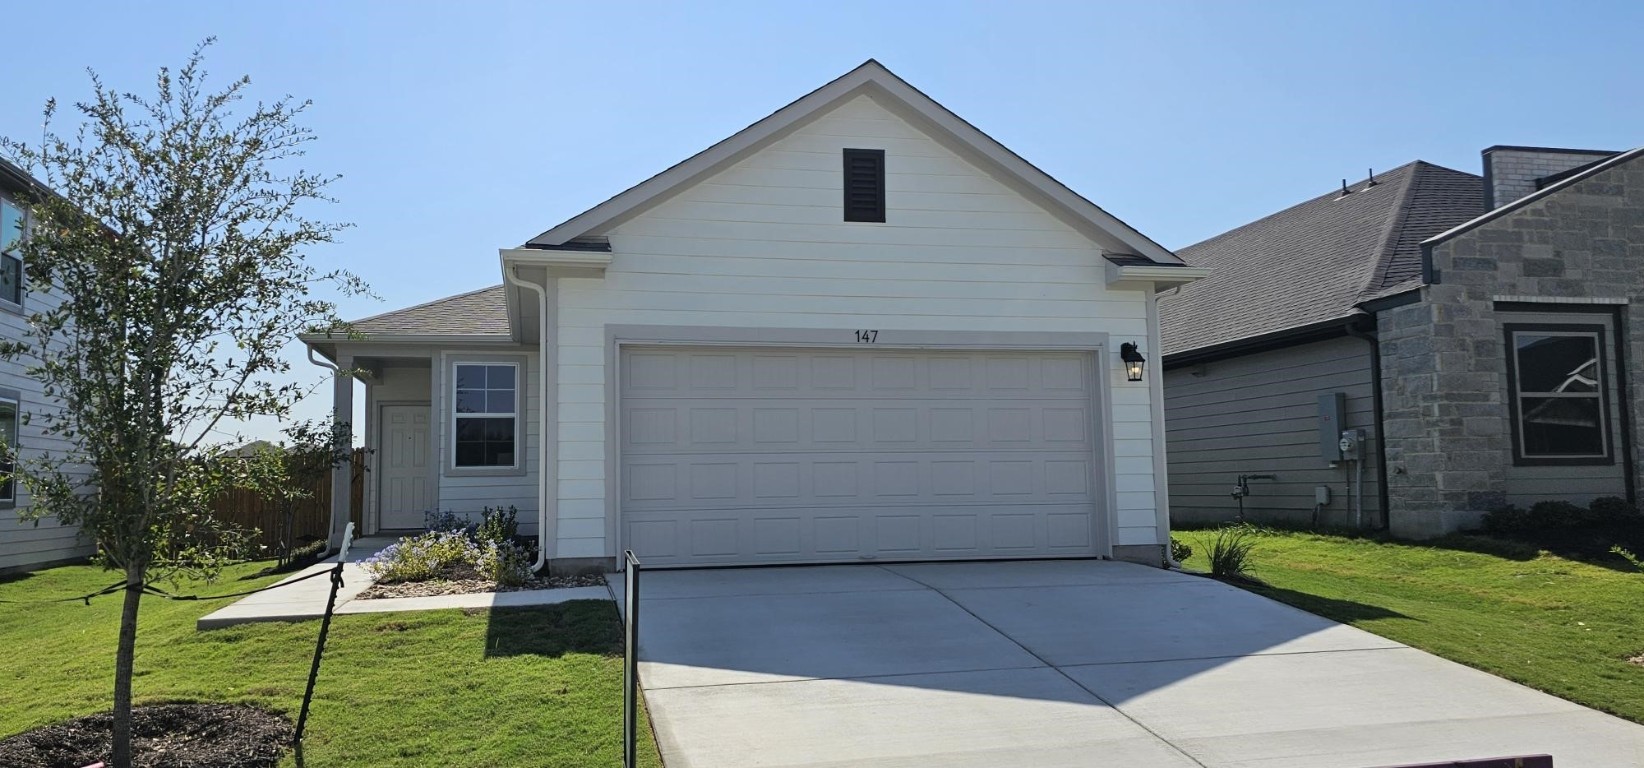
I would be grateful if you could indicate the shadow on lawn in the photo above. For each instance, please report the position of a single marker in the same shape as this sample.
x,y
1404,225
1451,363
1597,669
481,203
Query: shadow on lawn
x,y
579,626
1344,611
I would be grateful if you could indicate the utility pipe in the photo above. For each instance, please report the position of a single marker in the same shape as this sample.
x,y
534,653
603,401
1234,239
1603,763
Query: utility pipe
x,y
1358,496
1376,406
331,519
542,406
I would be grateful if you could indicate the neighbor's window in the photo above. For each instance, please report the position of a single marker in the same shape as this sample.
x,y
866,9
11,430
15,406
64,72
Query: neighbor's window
x,y
486,414
11,256
8,455
1558,394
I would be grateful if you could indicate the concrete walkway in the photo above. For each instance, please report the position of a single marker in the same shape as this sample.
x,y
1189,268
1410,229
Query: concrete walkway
x,y
305,600
1071,663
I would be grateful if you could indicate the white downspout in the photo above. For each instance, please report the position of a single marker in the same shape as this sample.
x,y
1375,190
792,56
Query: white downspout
x,y
331,518
542,409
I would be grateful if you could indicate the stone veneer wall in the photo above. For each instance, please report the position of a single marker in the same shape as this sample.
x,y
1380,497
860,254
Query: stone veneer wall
x,y
1513,171
1445,417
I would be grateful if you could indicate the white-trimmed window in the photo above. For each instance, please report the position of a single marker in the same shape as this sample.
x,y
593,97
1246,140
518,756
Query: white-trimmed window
x,y
485,418
8,456
1558,394
12,220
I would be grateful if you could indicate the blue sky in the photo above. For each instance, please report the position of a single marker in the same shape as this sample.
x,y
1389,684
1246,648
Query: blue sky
x,y
459,128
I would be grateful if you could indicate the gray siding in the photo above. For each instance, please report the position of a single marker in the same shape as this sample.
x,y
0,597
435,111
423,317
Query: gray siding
x,y
26,544
1257,414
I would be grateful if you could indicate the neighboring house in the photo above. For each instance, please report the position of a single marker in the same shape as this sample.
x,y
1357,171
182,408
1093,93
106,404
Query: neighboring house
x,y
1474,330
23,545
858,330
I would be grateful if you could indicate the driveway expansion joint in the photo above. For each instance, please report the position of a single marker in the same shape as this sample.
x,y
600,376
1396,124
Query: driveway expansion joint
x,y
1066,676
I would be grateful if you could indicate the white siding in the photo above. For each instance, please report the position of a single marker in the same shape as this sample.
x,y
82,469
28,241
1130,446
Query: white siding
x,y
24,544
763,245
469,493
1258,414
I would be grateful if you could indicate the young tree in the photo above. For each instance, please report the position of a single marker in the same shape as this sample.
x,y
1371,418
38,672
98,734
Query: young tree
x,y
175,242
291,472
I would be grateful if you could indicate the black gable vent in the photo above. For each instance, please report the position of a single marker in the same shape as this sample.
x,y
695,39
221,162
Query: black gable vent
x,y
864,185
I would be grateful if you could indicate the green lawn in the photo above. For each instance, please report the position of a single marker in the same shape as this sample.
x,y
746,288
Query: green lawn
x,y
1559,625
539,687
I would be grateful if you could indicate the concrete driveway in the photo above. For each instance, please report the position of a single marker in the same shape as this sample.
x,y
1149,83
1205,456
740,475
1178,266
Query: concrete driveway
x,y
1061,663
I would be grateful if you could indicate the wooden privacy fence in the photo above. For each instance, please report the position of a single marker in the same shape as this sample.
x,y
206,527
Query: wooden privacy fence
x,y
251,509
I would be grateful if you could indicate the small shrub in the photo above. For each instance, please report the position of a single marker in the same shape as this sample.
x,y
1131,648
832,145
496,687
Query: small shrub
x,y
1628,556
447,521
1612,509
498,526
1554,515
1230,553
505,563
1180,551
1508,519
421,558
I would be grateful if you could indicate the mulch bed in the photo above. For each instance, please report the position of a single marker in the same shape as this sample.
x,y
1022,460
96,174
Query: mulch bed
x,y
163,736
465,581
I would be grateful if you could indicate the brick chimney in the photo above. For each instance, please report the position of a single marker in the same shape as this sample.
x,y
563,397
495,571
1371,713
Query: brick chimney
x,y
1513,172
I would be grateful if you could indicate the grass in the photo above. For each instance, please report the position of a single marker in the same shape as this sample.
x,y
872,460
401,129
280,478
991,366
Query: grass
x,y
538,686
1559,625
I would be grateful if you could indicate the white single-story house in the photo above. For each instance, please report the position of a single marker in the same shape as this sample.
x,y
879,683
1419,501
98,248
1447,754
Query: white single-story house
x,y
858,330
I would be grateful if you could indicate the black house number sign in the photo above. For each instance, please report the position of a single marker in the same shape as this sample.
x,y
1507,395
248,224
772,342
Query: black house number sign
x,y
867,337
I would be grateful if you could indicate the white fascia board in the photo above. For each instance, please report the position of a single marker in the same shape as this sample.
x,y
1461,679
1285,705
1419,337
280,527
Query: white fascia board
x,y
537,257
1156,277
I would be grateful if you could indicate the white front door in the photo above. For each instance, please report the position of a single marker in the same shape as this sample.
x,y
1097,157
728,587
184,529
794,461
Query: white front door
x,y
407,479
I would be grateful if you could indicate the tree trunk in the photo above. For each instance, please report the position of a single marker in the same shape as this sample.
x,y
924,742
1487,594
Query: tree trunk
x,y
123,662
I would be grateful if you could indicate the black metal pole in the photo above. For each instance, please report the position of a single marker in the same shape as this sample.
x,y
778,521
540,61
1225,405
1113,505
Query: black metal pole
x,y
630,665
319,651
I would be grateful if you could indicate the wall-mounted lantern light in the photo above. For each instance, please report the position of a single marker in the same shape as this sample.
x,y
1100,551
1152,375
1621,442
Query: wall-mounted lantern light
x,y
1133,361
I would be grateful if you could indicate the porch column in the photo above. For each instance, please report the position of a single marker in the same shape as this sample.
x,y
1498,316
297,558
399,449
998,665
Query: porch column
x,y
342,476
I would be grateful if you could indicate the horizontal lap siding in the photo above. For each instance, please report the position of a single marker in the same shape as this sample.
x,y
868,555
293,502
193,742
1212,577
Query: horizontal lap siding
x,y
24,543
763,245
1258,414
471,493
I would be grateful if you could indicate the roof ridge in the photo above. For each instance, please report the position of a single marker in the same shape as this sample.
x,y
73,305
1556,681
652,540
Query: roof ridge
x,y
430,303
1389,242
1336,193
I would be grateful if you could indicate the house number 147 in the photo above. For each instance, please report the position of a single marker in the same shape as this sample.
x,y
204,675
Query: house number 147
x,y
867,337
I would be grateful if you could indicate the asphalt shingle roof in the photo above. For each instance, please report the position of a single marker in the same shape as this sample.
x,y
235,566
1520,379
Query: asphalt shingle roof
x,y
477,313
1313,262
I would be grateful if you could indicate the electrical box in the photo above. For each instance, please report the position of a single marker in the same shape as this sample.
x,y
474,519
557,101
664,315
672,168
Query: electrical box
x,y
1332,421
1321,495
1351,441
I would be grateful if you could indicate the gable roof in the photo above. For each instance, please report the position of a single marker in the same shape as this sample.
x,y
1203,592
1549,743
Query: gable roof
x,y
1556,183
476,313
874,79
1315,262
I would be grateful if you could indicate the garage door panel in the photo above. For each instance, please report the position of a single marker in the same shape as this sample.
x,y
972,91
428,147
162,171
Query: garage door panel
x,y
774,455
816,534
671,425
723,481
853,374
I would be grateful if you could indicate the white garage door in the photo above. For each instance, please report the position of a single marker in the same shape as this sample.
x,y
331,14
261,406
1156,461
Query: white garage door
x,y
737,455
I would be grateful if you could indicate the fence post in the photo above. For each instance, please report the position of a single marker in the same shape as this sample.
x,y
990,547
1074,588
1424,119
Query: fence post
x,y
630,660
